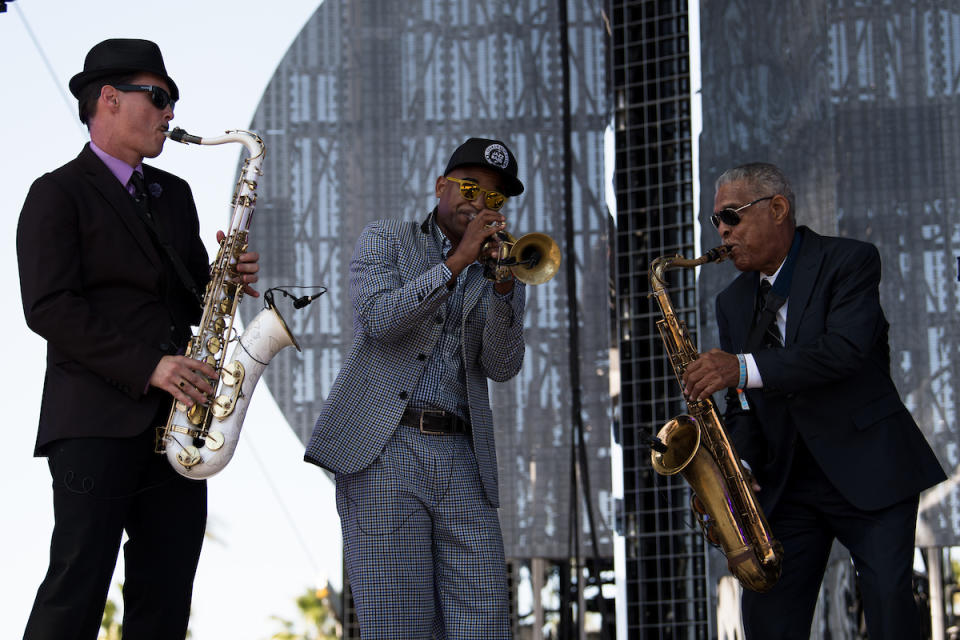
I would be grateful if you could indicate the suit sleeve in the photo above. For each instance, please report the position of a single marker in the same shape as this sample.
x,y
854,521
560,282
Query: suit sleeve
x,y
384,306
844,320
50,256
503,347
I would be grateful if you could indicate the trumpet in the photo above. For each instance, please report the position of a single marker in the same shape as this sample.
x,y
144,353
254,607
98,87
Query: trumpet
x,y
533,259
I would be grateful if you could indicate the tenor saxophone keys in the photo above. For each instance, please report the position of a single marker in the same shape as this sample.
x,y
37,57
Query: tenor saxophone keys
x,y
222,407
189,456
215,440
232,374
197,414
213,345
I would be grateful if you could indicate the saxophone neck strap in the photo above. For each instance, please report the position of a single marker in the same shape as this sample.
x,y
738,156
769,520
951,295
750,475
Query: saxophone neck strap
x,y
181,269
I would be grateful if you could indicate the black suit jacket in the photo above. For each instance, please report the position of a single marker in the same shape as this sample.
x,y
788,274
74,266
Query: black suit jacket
x,y
829,384
97,288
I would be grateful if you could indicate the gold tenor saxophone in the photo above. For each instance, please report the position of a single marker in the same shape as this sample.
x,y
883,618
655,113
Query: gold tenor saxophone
x,y
201,440
697,447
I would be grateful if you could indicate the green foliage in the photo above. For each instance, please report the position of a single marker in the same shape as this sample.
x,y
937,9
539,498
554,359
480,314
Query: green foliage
x,y
317,622
110,627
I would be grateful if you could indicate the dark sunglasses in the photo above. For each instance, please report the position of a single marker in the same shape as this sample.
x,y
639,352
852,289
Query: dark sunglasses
x,y
158,95
470,190
731,217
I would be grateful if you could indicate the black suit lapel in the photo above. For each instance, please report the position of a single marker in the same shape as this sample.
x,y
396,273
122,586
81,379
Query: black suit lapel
x,y
120,201
804,278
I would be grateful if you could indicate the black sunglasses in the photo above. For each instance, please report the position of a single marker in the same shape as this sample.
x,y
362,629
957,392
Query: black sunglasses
x,y
158,95
730,216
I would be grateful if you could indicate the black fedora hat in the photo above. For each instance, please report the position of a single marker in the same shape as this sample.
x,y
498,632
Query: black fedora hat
x,y
490,154
119,56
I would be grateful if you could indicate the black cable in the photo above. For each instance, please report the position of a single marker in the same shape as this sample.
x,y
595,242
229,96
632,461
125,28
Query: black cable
x,y
298,302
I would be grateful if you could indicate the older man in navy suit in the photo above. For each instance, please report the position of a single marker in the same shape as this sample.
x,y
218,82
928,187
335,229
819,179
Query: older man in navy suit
x,y
812,409
407,426
111,269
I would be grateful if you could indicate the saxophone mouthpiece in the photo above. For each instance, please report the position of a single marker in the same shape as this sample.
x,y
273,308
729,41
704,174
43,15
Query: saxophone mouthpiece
x,y
180,135
718,254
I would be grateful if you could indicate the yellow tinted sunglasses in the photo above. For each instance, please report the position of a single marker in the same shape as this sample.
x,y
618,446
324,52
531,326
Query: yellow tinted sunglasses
x,y
469,189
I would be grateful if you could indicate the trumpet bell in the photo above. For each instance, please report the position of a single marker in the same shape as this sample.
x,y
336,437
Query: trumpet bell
x,y
537,257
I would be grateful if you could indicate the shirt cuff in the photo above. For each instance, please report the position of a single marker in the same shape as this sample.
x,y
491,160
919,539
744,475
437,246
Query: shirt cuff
x,y
754,381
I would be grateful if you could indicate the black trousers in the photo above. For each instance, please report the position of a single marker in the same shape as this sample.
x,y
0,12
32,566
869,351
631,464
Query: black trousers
x,y
101,488
809,515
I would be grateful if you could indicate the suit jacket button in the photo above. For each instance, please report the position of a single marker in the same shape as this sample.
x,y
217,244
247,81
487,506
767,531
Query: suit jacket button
x,y
438,319
403,395
422,357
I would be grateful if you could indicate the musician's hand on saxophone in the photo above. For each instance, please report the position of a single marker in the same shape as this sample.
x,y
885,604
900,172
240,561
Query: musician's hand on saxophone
x,y
712,371
186,379
247,265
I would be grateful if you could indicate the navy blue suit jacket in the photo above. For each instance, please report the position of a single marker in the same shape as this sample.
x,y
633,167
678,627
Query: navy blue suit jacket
x,y
830,384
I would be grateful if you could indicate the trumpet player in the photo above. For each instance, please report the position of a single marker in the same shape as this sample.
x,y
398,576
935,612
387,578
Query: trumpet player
x,y
407,427
110,268
812,408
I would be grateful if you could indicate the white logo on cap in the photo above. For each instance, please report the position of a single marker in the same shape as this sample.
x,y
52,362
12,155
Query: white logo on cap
x,y
496,154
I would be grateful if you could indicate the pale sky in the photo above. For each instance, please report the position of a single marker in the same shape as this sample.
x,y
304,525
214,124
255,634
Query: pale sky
x,y
272,517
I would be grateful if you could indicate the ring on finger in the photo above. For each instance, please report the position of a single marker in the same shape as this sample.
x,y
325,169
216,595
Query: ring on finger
x,y
181,383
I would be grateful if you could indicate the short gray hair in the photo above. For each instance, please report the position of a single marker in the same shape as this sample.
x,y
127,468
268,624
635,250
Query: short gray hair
x,y
767,179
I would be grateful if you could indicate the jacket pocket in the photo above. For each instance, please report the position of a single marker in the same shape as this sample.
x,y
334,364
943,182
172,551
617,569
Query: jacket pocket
x,y
877,410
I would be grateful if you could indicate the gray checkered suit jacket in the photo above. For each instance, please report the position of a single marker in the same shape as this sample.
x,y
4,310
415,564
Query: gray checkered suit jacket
x,y
398,289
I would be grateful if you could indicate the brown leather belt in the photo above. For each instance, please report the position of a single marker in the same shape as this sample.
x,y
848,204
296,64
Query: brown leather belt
x,y
434,421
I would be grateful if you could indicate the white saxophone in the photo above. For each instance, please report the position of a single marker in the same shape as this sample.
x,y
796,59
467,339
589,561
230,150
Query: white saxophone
x,y
199,441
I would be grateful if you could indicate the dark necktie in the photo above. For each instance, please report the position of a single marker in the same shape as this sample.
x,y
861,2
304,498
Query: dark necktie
x,y
140,195
771,337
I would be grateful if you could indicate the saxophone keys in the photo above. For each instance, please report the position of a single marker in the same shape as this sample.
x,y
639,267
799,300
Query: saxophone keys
x,y
189,457
222,407
197,414
214,440
232,374
213,345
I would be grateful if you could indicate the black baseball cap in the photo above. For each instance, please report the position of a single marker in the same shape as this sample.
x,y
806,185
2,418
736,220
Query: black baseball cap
x,y
489,154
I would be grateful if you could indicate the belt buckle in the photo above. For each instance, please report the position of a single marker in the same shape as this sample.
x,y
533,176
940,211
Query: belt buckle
x,y
431,432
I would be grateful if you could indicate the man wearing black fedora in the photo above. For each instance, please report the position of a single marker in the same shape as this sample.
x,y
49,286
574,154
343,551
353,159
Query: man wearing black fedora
x,y
98,246
407,426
